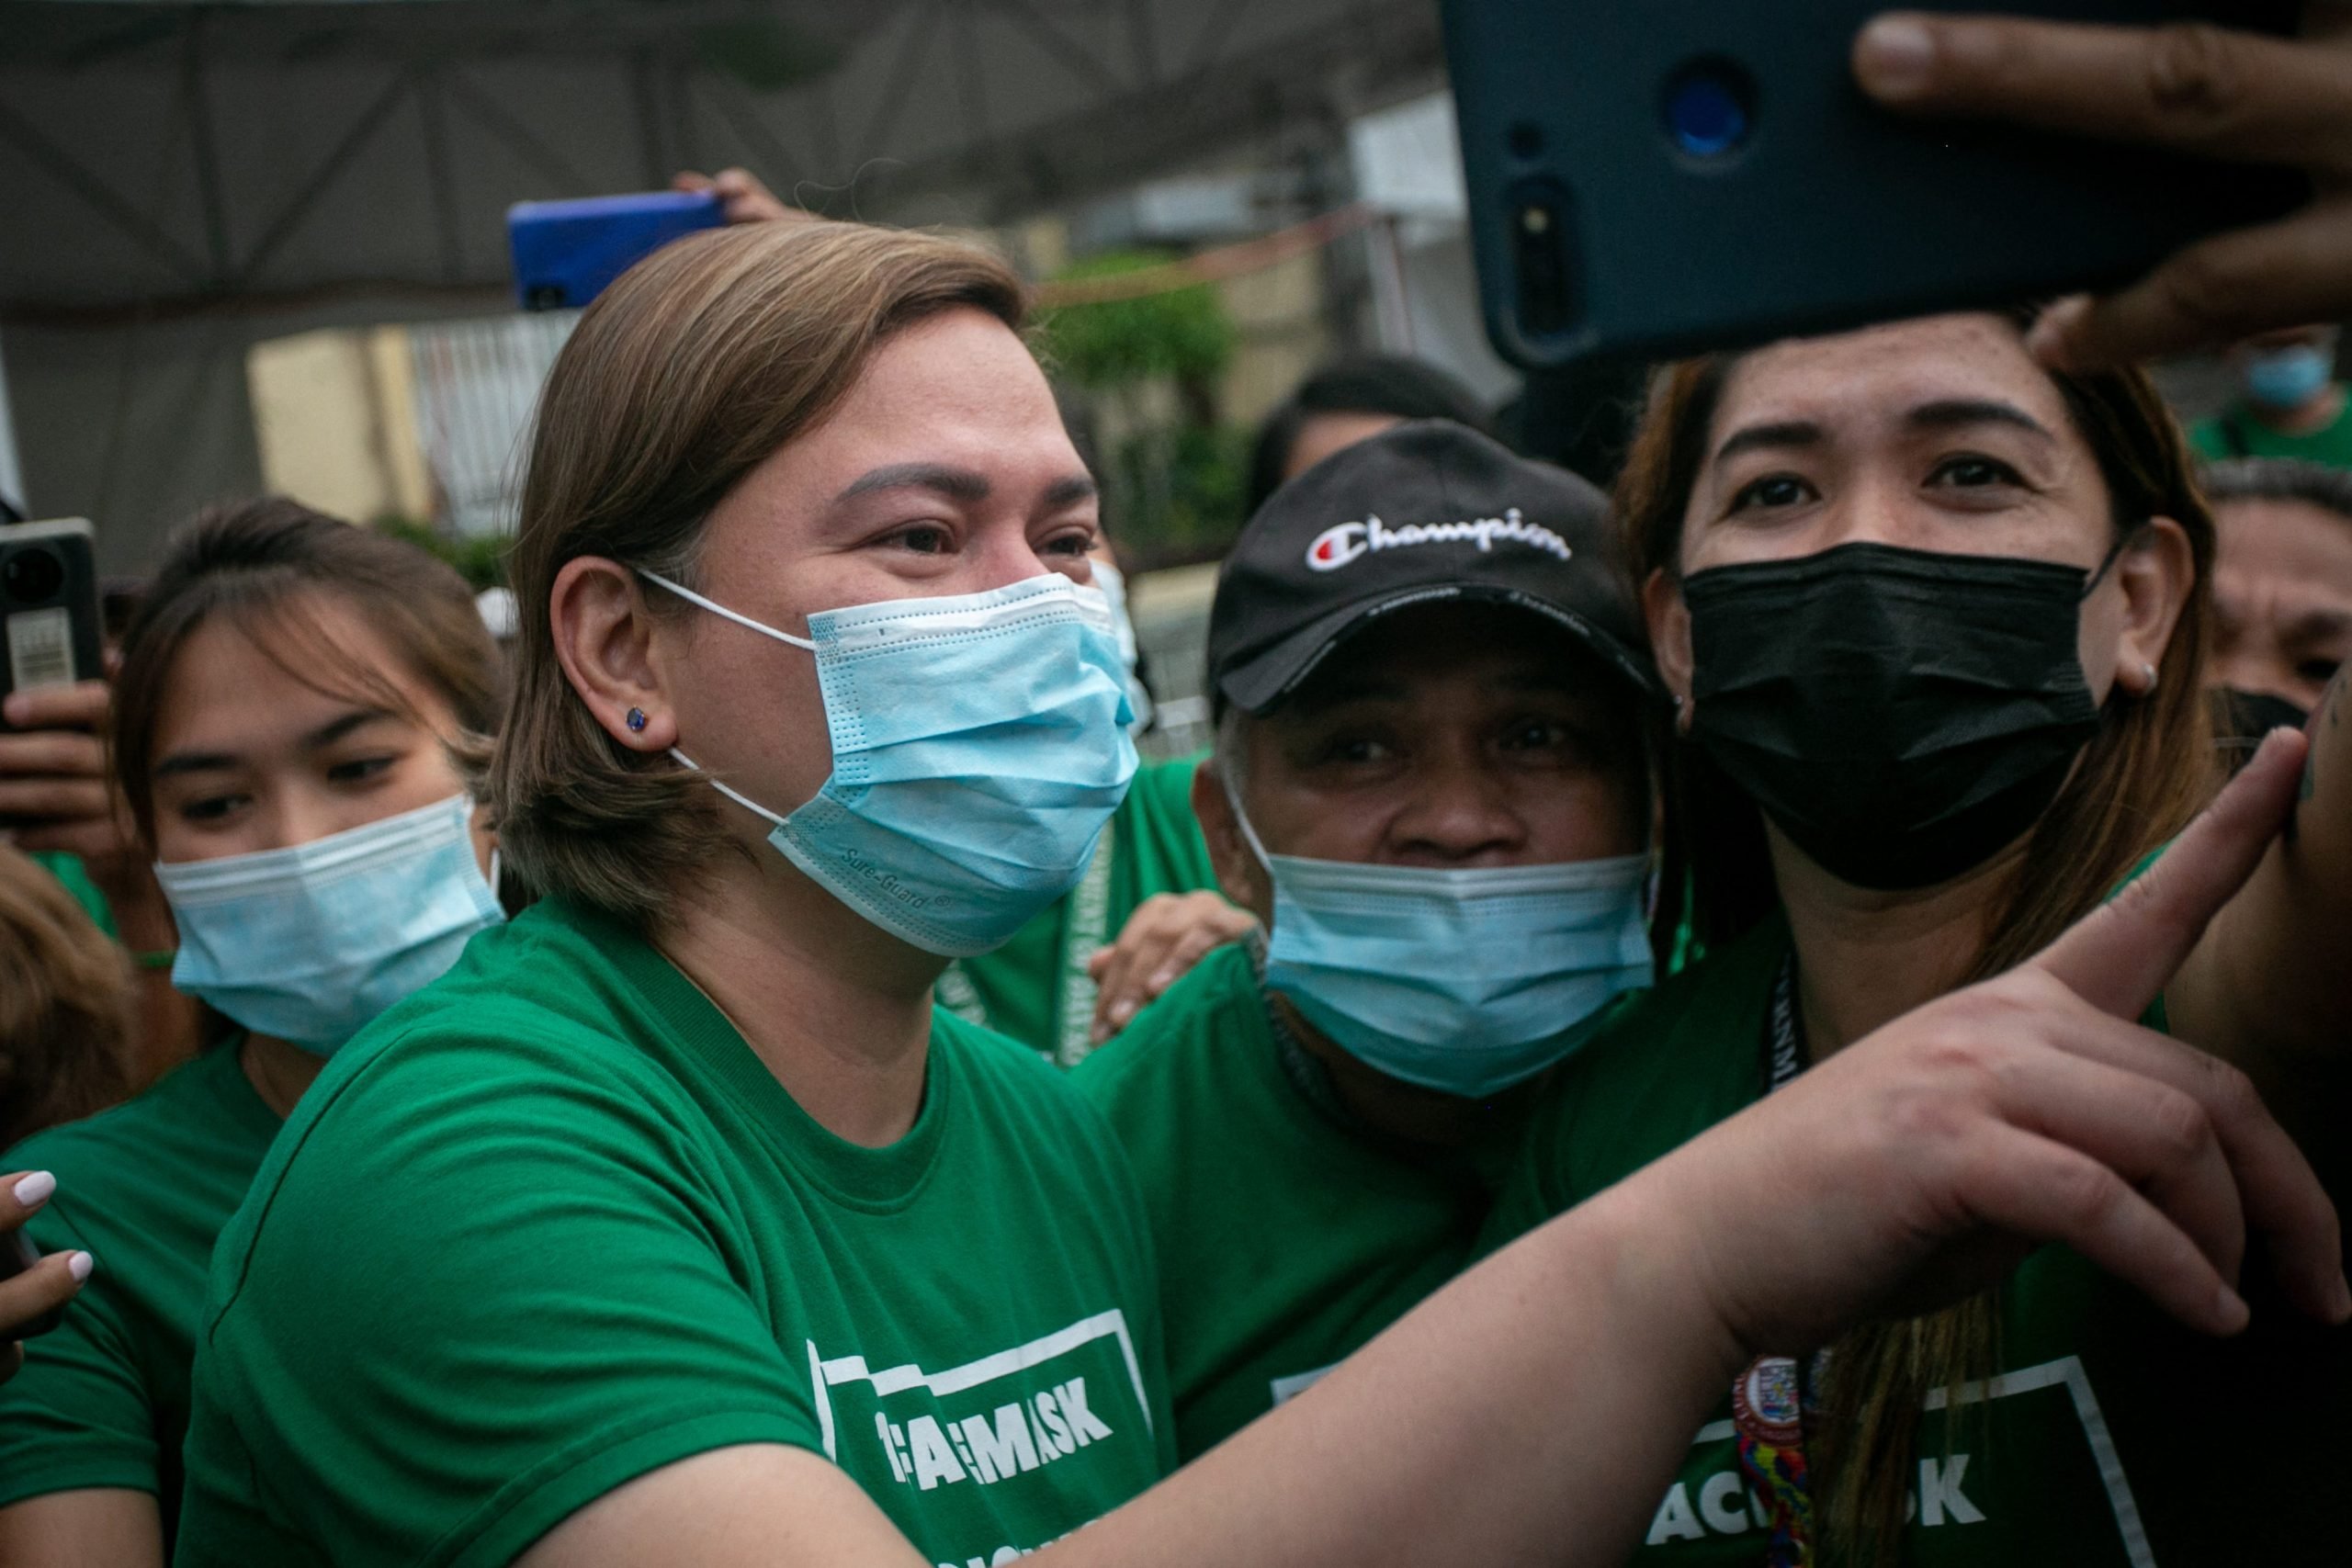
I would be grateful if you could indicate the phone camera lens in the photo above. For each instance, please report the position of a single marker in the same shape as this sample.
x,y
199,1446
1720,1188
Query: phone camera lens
x,y
32,574
1709,108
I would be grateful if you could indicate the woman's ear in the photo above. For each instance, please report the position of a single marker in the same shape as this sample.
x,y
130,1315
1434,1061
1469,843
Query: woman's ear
x,y
1238,876
2154,578
1670,624
605,640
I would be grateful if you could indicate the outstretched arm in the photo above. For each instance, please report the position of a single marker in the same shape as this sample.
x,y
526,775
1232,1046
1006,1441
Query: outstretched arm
x,y
2267,987
1532,1411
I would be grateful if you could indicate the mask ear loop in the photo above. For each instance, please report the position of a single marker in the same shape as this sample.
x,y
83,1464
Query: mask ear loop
x,y
691,597
2128,536
746,802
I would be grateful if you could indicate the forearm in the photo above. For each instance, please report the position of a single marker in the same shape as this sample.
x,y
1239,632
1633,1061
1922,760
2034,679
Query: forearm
x,y
1531,1412
2266,988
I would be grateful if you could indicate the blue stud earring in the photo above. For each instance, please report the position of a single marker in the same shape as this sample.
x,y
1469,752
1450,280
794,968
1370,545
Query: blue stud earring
x,y
636,720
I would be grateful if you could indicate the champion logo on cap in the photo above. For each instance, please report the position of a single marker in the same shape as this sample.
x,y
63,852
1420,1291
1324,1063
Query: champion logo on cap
x,y
1336,546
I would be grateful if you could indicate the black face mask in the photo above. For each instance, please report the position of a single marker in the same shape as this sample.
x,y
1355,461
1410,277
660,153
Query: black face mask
x,y
1902,715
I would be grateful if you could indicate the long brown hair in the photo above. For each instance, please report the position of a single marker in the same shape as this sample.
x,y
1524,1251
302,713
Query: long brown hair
x,y
682,377
268,565
2147,772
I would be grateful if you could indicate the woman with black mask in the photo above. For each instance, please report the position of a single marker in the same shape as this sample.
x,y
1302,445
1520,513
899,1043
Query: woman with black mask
x,y
1934,618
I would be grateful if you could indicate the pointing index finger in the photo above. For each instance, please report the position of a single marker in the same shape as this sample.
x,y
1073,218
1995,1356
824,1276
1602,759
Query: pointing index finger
x,y
2189,87
2119,956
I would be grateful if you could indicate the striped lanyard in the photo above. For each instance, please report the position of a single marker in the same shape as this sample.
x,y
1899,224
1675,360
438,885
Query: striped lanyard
x,y
1773,1398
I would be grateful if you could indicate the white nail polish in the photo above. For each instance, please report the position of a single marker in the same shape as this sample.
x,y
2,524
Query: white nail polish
x,y
80,1265
33,1189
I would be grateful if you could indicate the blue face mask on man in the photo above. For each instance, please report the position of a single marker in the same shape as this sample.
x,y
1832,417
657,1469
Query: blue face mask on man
x,y
309,942
2287,378
979,746
1464,981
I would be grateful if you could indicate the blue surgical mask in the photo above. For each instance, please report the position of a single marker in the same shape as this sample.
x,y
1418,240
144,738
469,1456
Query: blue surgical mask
x,y
979,746
1113,583
309,942
2287,378
1462,981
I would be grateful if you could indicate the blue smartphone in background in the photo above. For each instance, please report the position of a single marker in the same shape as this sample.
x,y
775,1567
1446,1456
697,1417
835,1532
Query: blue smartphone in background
x,y
566,252
1653,177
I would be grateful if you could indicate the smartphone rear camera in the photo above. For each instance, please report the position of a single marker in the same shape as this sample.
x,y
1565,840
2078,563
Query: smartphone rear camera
x,y
1710,109
32,575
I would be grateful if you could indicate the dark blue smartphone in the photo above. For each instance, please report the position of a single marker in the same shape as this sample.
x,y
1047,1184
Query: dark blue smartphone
x,y
1653,177
566,252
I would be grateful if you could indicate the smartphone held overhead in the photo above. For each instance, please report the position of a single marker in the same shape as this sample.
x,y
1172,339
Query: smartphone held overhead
x,y
49,605
565,252
1650,179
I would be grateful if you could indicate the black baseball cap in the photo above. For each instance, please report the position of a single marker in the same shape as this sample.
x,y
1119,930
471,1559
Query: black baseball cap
x,y
1425,511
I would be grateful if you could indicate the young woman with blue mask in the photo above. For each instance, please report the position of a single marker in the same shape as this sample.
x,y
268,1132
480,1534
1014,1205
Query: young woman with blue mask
x,y
295,703
674,1225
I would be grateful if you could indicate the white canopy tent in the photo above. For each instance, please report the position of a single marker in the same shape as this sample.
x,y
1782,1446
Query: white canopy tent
x,y
180,181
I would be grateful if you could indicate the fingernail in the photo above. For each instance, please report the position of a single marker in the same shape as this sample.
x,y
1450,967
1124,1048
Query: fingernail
x,y
33,1191
1896,56
1162,980
2229,1312
80,1265
1122,1011
2046,339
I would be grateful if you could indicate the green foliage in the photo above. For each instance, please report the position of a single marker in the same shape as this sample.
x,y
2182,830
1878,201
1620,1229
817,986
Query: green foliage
x,y
1182,333
1175,496
480,559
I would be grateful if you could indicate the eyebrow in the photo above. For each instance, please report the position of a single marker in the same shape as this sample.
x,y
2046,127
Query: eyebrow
x,y
1945,413
1951,412
961,484
1780,433
326,735
957,484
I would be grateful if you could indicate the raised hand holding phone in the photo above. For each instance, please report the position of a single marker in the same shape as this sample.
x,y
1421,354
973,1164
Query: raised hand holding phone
x,y
2208,91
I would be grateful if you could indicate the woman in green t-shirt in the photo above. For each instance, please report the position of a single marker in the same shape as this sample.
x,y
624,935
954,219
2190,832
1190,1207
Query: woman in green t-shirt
x,y
675,1225
295,702
1940,614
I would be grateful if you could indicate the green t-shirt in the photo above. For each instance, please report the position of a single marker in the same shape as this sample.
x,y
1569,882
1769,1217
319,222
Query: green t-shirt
x,y
2237,433
2109,1436
550,1224
144,1187
1285,1241
1036,988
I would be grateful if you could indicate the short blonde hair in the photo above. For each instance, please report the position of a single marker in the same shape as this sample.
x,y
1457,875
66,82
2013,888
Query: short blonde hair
x,y
686,374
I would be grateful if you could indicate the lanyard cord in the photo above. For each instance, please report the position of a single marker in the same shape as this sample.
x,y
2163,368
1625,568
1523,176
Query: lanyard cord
x,y
1773,1398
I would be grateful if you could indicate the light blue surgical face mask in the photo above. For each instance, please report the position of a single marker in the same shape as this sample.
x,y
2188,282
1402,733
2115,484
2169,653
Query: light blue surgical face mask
x,y
2287,378
1113,583
979,745
1464,981
309,942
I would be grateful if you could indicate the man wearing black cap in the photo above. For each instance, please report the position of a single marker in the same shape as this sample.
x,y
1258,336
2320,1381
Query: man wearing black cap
x,y
1430,789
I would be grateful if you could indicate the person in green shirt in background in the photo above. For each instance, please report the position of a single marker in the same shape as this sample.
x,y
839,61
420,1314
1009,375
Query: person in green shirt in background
x,y
1145,911
1935,618
295,699
2290,403
1429,778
